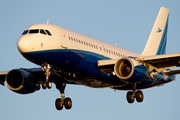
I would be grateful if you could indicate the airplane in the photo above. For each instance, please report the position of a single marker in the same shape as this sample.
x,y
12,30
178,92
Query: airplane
x,y
67,57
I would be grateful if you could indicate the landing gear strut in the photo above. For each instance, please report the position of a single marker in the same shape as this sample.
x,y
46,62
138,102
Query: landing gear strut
x,y
60,102
47,67
134,94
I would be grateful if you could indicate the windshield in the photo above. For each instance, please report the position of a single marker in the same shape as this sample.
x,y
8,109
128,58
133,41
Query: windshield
x,y
35,31
25,32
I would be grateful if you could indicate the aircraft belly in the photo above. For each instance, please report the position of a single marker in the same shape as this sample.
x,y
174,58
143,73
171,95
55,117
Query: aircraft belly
x,y
148,83
86,63
57,58
76,61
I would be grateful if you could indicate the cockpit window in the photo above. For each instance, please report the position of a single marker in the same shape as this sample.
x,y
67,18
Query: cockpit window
x,y
25,32
48,32
42,31
34,31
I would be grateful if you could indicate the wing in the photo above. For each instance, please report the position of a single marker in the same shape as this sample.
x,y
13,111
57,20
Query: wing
x,y
38,74
155,62
160,62
2,77
172,72
107,66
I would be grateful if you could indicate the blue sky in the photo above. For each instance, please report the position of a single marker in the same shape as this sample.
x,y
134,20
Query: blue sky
x,y
127,23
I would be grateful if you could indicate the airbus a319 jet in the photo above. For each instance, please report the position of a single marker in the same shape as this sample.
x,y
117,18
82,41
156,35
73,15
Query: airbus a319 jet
x,y
67,57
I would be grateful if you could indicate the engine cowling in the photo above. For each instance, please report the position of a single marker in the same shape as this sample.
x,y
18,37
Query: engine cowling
x,y
130,70
21,81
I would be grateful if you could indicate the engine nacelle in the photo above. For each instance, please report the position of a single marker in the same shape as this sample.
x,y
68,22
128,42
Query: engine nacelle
x,y
130,70
21,81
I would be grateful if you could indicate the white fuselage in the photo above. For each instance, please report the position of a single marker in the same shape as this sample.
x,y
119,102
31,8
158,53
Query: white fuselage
x,y
62,38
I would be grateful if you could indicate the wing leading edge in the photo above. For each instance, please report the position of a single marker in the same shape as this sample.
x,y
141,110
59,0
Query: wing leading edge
x,y
2,77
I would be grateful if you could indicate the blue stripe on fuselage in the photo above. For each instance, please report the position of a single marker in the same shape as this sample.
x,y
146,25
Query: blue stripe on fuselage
x,y
69,59
61,57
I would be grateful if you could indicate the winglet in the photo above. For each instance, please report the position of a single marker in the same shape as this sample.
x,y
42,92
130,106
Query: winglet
x,y
156,44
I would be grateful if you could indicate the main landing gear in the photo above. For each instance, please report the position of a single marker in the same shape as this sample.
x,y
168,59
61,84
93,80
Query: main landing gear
x,y
131,95
60,102
134,94
47,67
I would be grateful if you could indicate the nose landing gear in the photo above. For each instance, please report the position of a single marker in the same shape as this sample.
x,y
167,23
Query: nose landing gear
x,y
47,84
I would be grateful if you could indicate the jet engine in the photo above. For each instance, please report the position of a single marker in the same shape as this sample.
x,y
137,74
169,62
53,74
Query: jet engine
x,y
130,70
21,81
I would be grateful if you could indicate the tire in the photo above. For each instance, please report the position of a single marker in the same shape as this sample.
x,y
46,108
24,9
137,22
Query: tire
x,y
44,84
49,85
130,97
67,103
139,96
58,104
38,87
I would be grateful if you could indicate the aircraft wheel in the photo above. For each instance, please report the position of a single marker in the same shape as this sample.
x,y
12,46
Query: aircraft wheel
x,y
38,87
49,85
44,84
58,104
139,96
67,103
130,97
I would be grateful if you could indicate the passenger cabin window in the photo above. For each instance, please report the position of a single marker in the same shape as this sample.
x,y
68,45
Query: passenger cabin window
x,y
25,32
34,31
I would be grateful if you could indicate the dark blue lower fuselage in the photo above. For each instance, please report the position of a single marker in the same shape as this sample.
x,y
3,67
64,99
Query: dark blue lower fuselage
x,y
85,62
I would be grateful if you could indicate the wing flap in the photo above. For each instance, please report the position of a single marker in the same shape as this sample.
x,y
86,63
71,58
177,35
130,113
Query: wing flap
x,y
106,62
172,72
107,66
161,62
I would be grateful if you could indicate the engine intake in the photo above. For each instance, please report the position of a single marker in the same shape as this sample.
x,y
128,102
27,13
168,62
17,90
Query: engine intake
x,y
130,70
21,81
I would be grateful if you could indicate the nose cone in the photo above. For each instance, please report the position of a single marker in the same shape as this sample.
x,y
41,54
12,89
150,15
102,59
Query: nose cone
x,y
25,44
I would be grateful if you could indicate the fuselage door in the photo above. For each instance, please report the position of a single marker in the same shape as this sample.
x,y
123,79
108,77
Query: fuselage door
x,y
63,39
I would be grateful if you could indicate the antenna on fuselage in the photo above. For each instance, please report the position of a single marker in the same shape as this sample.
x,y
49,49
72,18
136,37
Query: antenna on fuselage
x,y
47,21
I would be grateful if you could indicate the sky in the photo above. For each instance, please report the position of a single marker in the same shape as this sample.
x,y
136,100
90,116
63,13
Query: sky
x,y
125,22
